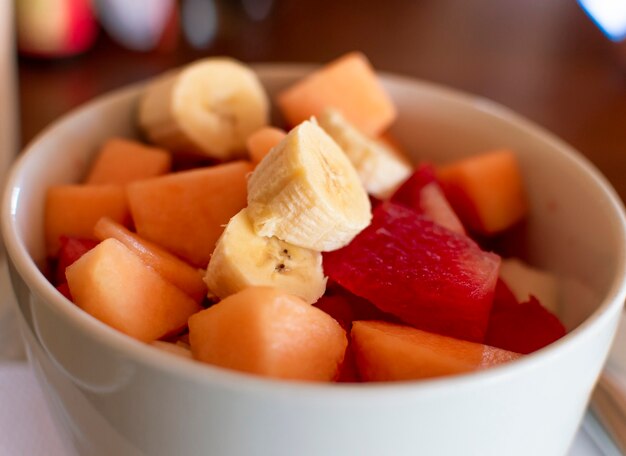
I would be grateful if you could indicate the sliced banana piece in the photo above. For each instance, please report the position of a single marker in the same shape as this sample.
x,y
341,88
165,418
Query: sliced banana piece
x,y
306,192
243,259
208,108
380,168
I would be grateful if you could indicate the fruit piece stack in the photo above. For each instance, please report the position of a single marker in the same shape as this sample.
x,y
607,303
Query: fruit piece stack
x,y
255,248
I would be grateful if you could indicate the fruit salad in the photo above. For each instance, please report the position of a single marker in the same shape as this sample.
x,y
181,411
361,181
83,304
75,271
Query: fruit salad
x,y
310,250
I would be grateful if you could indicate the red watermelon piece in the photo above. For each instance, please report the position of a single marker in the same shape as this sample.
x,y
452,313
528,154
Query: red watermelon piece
x,y
504,298
523,328
423,193
64,289
424,274
346,307
348,371
71,250
337,307
408,194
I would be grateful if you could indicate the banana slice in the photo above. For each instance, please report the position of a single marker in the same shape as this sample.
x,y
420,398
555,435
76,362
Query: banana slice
x,y
306,192
380,169
208,108
243,259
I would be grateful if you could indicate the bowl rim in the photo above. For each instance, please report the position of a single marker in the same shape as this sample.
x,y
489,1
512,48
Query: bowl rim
x,y
200,373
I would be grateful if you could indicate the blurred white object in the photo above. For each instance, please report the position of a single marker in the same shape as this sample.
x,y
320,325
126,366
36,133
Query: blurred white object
x,y
136,24
10,341
609,16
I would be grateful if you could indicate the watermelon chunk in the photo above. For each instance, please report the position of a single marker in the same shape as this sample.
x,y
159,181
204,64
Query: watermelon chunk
x,y
504,299
64,289
337,307
523,328
348,371
408,194
72,249
346,307
423,193
426,275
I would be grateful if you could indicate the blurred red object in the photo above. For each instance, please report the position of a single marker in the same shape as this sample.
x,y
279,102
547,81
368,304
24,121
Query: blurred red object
x,y
55,28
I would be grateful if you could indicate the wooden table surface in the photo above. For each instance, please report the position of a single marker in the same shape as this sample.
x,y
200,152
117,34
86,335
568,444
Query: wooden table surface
x,y
544,59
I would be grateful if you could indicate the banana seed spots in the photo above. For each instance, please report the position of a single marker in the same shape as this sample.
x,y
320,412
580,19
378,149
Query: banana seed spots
x,y
285,257
280,256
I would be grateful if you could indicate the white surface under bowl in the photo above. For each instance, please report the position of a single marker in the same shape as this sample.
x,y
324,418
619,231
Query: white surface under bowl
x,y
113,395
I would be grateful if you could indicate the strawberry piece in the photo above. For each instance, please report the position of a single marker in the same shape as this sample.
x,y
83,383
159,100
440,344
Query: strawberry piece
x,y
523,328
422,273
423,193
71,250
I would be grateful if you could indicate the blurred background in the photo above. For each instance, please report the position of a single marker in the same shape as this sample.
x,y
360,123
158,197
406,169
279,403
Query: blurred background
x,y
560,63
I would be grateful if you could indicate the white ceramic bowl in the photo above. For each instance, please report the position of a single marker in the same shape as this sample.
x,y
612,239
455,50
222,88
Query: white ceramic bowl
x,y
113,395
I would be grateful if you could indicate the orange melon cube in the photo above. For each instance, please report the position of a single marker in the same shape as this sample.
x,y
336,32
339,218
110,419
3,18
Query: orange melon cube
x,y
486,190
172,268
388,352
262,141
348,84
121,161
264,331
186,212
73,210
112,284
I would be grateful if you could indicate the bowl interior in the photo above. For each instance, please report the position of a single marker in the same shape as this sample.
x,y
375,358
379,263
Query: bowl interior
x,y
575,229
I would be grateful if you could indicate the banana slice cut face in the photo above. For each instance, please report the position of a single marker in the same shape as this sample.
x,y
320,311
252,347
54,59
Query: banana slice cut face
x,y
208,108
243,259
306,192
380,169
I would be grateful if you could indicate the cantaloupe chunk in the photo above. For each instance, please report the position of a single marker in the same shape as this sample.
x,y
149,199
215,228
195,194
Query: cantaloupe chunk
x,y
265,331
172,268
348,84
486,190
261,142
73,210
121,161
387,352
112,284
186,212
